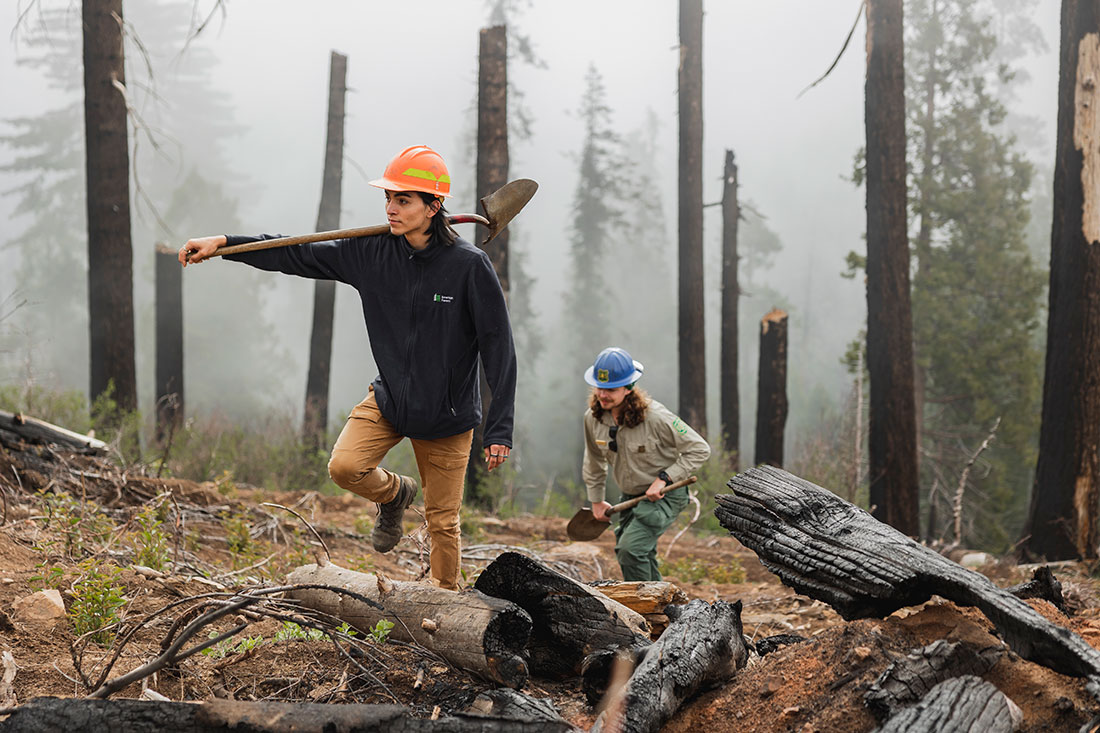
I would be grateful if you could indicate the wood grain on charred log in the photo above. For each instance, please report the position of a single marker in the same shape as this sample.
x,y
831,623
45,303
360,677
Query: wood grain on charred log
x,y
473,631
908,680
965,704
831,550
647,597
701,648
570,620
51,714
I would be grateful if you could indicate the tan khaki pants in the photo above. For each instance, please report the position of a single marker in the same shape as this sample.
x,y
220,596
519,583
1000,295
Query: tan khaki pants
x,y
364,442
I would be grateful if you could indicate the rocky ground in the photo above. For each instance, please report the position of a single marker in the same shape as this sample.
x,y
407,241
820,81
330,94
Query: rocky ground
x,y
94,541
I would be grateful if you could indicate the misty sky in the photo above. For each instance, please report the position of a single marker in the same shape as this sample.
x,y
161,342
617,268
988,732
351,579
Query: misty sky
x,y
412,74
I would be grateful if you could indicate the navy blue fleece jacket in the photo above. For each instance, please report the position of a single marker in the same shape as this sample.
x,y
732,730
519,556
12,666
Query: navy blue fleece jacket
x,y
429,313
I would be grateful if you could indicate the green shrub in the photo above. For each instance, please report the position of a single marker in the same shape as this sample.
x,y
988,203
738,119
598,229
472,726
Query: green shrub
x,y
695,570
97,598
150,541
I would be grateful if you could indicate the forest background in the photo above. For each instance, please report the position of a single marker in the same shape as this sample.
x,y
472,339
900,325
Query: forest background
x,y
230,138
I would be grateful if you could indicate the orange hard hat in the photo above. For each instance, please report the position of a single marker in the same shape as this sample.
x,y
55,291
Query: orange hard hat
x,y
418,168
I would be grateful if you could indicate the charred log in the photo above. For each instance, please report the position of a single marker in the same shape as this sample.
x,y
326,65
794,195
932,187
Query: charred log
x,y
51,714
769,644
831,550
598,669
514,705
570,620
473,631
962,705
703,647
1043,585
908,680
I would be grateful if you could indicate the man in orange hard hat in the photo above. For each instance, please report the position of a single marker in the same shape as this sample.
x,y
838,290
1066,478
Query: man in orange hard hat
x,y
433,305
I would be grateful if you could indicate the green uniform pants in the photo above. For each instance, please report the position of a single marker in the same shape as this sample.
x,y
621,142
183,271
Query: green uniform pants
x,y
637,532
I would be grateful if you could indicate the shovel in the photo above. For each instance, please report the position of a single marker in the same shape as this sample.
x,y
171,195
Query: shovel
x,y
500,207
583,526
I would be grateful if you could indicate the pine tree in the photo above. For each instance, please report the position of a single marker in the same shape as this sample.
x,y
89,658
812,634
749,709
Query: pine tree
x,y
976,290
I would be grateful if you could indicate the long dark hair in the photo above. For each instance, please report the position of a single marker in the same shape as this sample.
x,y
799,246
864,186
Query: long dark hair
x,y
635,405
439,230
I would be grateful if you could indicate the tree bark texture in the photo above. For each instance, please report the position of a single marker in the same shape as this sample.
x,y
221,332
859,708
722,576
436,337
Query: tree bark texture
x,y
965,704
1062,520
731,294
473,631
570,620
702,647
771,399
647,597
51,714
894,490
831,550
907,680
492,173
107,171
692,338
169,338
315,418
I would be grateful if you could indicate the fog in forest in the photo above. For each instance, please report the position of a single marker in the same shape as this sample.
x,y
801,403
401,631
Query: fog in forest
x,y
230,138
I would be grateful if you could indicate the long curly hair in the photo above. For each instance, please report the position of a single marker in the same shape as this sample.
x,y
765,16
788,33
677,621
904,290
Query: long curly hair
x,y
635,405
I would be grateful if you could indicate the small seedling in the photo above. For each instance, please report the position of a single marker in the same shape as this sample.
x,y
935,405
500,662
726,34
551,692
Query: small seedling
x,y
97,599
380,632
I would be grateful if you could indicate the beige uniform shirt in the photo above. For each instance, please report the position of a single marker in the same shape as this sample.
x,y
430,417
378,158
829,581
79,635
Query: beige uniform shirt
x,y
663,442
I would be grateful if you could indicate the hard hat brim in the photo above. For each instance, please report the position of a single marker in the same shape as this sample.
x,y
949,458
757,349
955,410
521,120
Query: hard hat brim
x,y
389,185
590,377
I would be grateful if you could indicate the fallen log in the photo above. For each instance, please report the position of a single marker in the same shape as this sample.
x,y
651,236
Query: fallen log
x,y
473,631
1043,585
831,550
908,680
570,620
507,703
52,714
647,597
965,704
40,431
702,647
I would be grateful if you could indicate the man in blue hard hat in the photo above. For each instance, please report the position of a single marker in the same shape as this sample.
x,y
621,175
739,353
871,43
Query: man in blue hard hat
x,y
647,448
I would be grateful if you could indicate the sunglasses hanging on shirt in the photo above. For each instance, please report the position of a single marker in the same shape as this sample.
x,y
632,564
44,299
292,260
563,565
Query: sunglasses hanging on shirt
x,y
612,444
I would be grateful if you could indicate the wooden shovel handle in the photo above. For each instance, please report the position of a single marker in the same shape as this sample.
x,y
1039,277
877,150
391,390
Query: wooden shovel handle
x,y
371,231
633,502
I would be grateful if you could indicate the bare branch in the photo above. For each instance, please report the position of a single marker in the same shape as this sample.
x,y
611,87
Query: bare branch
x,y
862,5
321,561
962,482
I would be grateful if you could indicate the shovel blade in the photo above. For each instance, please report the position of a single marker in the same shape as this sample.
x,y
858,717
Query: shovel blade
x,y
584,527
502,205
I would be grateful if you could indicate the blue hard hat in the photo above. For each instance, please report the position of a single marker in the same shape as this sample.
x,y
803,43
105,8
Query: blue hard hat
x,y
613,368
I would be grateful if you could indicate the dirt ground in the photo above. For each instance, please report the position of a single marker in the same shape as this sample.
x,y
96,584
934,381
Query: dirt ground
x,y
817,685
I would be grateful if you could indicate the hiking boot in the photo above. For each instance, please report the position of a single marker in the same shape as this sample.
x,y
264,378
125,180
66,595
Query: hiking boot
x,y
387,528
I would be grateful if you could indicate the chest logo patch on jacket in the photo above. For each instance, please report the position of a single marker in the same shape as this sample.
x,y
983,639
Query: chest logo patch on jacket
x,y
438,298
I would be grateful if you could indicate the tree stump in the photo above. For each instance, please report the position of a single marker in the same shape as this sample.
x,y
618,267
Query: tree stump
x,y
831,550
570,620
473,631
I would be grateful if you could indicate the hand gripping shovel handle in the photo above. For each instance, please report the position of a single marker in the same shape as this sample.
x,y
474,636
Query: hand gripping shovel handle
x,y
623,505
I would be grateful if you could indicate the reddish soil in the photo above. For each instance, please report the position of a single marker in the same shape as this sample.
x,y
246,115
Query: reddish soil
x,y
812,686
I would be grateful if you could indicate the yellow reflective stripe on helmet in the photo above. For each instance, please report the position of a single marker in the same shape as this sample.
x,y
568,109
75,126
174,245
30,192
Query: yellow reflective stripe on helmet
x,y
427,175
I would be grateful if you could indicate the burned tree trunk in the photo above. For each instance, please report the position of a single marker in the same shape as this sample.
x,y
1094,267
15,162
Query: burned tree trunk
x,y
702,647
51,714
692,336
492,173
570,620
833,551
893,425
771,400
964,704
1062,521
730,410
473,631
169,337
908,680
40,431
315,417
107,170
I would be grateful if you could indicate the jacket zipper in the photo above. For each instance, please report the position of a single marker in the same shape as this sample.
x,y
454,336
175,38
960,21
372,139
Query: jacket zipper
x,y
409,342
